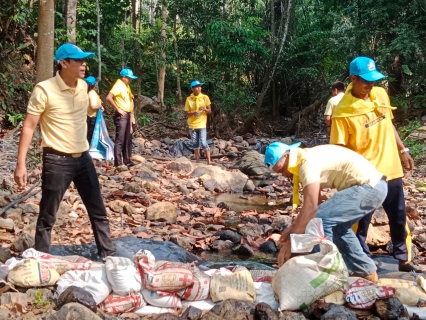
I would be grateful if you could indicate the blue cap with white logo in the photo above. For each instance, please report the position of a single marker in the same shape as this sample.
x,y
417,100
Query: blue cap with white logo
x,y
91,80
195,83
365,68
127,72
276,150
71,51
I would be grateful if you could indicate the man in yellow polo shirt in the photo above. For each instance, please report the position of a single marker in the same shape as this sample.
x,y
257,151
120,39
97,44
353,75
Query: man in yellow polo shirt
x,y
60,105
362,122
361,189
121,98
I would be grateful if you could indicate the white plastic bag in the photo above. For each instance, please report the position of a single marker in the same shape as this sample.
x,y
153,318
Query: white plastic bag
x,y
264,293
149,310
304,279
123,276
94,281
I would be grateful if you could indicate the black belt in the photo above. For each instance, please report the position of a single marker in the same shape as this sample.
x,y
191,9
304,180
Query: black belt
x,y
63,154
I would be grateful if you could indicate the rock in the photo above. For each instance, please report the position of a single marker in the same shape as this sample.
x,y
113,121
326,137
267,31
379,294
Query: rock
x,y
193,185
229,235
184,189
243,250
249,186
24,242
14,214
29,207
378,235
46,294
185,242
231,310
252,141
281,223
128,209
156,143
147,175
222,144
133,187
191,313
290,315
7,224
168,316
234,181
210,184
249,219
138,158
238,139
180,164
268,247
221,245
390,309
162,211
14,297
333,311
418,134
263,311
73,311
117,205
252,164
4,201
4,255
78,295
256,230
380,217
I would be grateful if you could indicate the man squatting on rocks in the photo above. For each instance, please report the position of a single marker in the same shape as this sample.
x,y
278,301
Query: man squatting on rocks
x,y
337,92
60,105
362,122
197,107
361,189
121,98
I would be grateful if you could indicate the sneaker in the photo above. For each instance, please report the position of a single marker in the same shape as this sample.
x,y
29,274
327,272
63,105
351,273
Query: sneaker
x,y
412,266
373,277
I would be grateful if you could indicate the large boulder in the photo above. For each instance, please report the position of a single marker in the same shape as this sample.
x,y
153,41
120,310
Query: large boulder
x,y
235,180
73,311
252,164
162,211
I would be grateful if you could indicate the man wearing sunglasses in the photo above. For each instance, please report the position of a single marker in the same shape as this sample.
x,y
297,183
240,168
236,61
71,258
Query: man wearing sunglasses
x,y
60,105
362,121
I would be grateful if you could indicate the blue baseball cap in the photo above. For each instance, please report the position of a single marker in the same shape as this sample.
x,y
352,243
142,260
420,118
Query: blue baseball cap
x,y
195,83
365,68
127,72
91,80
71,51
276,150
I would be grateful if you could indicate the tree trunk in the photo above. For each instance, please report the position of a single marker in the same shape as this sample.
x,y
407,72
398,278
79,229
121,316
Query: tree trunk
x,y
46,35
98,40
71,21
162,67
175,44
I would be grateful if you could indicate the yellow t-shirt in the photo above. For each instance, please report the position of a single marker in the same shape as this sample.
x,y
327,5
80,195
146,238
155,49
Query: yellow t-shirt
x,y
362,133
94,100
63,113
193,104
333,167
332,103
123,95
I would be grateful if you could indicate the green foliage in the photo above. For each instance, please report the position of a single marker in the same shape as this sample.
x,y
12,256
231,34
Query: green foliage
x,y
143,120
416,146
15,118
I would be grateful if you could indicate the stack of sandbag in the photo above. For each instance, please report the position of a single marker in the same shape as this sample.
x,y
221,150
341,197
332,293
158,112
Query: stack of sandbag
x,y
126,285
303,279
32,273
362,294
166,283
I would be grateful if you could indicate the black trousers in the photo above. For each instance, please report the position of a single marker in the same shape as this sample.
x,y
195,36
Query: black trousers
x,y
394,206
58,172
90,127
123,139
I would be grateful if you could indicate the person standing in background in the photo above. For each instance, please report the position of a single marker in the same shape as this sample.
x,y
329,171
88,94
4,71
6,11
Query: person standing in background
x,y
197,107
95,103
337,91
121,98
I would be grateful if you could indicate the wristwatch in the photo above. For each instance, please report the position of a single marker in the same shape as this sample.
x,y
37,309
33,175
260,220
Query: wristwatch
x,y
404,150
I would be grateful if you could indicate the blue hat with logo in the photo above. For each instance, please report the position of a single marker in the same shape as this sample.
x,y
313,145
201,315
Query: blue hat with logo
x,y
276,150
91,80
195,83
127,72
71,51
365,68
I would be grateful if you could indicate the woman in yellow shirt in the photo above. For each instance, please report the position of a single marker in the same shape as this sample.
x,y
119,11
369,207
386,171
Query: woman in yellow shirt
x,y
95,103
